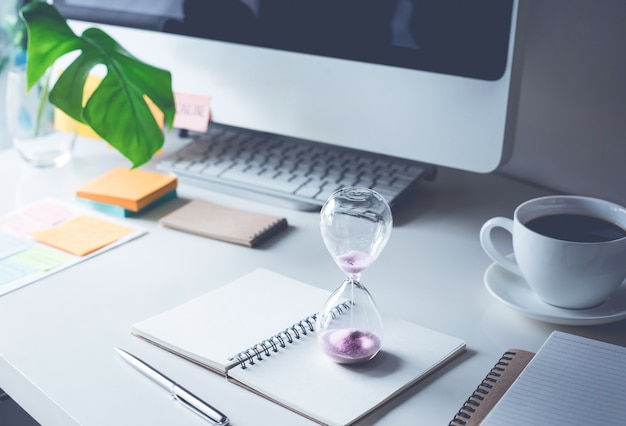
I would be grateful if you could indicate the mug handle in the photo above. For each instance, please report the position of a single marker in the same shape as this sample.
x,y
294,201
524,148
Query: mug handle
x,y
490,248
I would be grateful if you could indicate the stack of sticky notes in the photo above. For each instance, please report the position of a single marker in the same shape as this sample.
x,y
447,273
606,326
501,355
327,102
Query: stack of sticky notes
x,y
126,192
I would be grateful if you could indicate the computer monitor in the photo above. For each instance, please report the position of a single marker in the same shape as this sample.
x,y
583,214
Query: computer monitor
x,y
429,80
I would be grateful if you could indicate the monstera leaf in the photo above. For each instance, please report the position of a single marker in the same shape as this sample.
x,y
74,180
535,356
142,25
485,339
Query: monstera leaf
x,y
117,110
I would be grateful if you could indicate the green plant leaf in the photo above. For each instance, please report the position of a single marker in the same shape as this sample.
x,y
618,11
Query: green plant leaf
x,y
117,110
49,38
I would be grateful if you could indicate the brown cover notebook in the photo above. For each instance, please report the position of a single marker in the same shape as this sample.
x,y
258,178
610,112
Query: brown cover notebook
x,y
224,223
493,386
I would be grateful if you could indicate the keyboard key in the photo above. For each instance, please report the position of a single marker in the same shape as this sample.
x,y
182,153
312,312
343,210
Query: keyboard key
x,y
308,191
293,170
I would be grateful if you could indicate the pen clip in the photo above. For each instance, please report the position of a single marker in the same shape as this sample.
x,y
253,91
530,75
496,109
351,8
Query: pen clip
x,y
198,406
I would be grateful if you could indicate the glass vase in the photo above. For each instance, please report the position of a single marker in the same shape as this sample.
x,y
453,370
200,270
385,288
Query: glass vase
x,y
33,122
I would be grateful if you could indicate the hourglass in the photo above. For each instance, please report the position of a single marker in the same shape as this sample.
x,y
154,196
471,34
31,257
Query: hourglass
x,y
355,224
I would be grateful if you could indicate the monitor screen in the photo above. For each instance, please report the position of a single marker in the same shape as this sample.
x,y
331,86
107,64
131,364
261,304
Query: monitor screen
x,y
428,80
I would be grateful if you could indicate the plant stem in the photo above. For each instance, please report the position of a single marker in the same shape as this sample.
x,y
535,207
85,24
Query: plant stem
x,y
43,99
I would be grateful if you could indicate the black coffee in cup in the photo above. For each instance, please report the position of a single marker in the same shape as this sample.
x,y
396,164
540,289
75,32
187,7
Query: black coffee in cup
x,y
576,227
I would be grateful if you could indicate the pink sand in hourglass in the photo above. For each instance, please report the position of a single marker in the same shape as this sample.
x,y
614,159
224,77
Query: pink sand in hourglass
x,y
354,262
349,345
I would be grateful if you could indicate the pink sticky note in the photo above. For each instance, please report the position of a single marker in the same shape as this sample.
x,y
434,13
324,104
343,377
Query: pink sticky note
x,y
192,112
20,224
48,212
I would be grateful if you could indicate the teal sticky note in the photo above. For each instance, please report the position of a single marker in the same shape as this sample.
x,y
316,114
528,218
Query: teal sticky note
x,y
10,245
11,270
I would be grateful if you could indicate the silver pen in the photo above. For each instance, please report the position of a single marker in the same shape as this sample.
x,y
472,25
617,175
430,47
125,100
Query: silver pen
x,y
188,399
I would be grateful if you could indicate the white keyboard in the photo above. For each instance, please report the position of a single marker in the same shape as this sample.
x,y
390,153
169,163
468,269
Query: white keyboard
x,y
294,172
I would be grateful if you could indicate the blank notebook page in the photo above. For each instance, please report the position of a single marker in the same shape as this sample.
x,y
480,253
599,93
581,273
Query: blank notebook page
x,y
571,380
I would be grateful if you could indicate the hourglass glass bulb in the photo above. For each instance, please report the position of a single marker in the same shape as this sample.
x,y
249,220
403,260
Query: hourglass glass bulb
x,y
349,326
355,224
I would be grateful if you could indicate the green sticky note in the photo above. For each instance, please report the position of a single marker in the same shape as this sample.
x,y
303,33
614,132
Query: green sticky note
x,y
41,258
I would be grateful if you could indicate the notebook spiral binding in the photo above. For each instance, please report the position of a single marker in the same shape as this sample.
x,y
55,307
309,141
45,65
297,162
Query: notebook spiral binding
x,y
281,339
269,230
482,390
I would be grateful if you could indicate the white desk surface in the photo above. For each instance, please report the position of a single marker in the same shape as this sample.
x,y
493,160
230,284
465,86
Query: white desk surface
x,y
57,335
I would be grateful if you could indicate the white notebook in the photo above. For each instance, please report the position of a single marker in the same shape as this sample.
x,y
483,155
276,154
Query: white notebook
x,y
571,380
223,331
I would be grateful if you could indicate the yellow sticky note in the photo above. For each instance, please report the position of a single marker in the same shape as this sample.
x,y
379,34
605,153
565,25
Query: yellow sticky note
x,y
82,235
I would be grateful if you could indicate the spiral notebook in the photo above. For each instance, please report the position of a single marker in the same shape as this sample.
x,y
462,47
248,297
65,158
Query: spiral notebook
x,y
258,331
492,387
224,223
571,380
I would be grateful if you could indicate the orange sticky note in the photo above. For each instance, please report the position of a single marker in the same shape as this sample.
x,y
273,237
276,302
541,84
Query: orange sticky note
x,y
192,112
132,189
82,235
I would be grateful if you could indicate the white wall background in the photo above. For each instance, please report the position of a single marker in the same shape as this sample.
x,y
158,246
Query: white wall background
x,y
571,132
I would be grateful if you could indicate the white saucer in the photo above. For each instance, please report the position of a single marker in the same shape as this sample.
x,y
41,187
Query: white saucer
x,y
514,292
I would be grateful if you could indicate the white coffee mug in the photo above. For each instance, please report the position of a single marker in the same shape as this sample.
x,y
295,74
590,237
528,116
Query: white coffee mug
x,y
571,250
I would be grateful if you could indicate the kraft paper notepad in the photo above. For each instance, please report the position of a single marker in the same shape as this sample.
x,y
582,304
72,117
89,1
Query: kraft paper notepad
x,y
132,189
224,223
236,330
